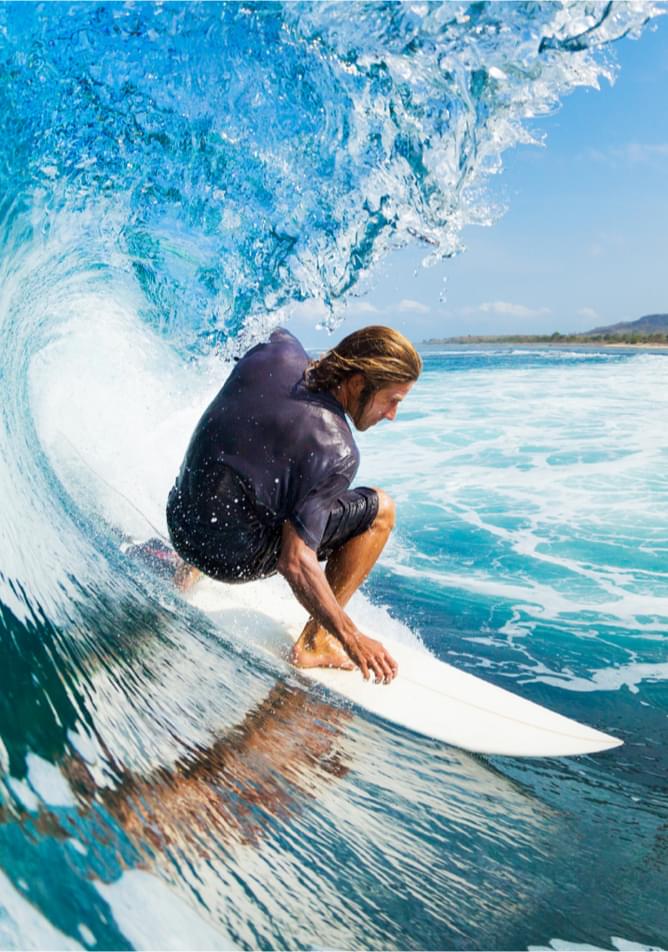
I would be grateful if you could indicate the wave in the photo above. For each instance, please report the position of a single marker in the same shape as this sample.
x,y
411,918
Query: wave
x,y
175,180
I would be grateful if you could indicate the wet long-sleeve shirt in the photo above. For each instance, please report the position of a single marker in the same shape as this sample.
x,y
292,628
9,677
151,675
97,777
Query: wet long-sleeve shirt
x,y
294,447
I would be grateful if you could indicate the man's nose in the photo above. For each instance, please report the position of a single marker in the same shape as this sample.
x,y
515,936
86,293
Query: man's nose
x,y
391,413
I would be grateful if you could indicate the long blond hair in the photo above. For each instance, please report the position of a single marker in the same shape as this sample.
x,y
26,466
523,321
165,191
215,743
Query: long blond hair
x,y
381,354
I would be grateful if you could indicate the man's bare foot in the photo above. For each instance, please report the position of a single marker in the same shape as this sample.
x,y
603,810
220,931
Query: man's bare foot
x,y
320,651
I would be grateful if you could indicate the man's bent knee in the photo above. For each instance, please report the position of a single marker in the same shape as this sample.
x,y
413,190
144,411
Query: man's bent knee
x,y
386,515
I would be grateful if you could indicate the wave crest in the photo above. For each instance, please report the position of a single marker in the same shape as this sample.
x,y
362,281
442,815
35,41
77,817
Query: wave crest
x,y
240,157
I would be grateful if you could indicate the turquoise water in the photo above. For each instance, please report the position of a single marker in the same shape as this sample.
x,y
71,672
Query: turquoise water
x,y
177,179
164,786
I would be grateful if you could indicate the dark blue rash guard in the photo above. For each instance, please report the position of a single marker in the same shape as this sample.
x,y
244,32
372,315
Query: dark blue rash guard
x,y
293,447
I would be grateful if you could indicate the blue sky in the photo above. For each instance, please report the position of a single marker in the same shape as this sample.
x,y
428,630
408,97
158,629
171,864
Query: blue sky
x,y
585,239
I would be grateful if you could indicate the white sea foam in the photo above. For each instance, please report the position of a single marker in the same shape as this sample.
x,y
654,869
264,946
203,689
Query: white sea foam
x,y
152,916
612,679
48,782
86,934
25,795
557,471
622,945
115,409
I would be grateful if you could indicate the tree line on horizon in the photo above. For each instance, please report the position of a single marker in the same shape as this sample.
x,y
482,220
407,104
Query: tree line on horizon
x,y
649,329
634,337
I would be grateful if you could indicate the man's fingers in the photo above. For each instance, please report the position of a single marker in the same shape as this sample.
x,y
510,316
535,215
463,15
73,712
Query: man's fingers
x,y
368,666
372,659
378,669
383,668
389,668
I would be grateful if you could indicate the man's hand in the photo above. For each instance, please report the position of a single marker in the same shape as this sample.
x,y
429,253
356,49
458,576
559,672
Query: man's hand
x,y
298,564
371,657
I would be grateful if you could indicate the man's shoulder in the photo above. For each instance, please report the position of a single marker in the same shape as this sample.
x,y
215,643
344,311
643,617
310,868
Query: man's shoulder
x,y
282,338
281,357
280,341
282,333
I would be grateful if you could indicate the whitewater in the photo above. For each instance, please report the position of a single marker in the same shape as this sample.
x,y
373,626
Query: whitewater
x,y
176,180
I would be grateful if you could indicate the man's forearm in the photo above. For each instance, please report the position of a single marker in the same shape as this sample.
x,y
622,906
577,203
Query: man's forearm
x,y
311,588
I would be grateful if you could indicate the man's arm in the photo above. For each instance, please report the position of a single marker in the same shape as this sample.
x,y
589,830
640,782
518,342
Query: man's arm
x,y
299,565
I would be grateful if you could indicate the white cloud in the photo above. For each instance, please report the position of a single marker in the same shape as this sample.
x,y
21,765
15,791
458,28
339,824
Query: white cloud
x,y
415,307
315,310
312,308
643,152
355,306
507,308
589,313
635,153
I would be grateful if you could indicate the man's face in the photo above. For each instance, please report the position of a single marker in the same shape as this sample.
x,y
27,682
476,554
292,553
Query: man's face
x,y
382,405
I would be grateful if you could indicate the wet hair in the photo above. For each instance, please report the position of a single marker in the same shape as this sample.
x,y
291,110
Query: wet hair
x,y
381,354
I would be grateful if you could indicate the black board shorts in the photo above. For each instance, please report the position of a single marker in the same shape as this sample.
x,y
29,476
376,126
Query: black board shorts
x,y
235,540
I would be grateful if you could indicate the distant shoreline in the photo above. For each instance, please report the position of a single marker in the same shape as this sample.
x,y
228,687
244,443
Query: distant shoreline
x,y
514,341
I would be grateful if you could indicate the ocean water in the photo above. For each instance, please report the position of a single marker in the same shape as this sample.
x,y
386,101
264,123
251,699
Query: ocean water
x,y
177,179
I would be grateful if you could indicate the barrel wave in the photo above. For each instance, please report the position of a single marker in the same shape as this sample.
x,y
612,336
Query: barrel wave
x,y
176,180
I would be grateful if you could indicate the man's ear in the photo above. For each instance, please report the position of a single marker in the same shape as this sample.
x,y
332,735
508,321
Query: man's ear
x,y
356,384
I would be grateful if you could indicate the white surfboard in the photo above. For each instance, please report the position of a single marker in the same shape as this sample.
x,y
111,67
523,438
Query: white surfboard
x,y
428,696
440,701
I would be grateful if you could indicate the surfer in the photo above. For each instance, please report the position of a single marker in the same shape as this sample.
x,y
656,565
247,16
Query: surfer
x,y
265,483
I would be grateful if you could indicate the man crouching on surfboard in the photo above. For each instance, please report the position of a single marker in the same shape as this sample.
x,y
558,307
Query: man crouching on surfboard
x,y
265,483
